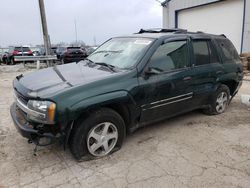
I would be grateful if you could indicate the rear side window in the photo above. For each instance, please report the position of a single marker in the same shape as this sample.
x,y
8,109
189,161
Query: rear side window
x,y
201,52
228,50
213,53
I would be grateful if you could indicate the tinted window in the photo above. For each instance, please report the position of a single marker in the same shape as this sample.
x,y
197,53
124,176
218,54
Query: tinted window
x,y
201,52
73,49
213,53
170,56
228,50
22,49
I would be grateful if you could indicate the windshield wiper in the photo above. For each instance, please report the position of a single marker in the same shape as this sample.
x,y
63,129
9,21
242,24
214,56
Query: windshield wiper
x,y
89,60
111,67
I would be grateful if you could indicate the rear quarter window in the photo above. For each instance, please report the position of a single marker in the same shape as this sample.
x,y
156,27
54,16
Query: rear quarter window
x,y
228,51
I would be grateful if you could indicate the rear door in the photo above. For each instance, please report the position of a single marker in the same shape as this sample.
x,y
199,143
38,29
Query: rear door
x,y
206,68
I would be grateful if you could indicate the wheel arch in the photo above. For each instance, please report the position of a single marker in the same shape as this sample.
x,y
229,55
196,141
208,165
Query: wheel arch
x,y
231,84
120,101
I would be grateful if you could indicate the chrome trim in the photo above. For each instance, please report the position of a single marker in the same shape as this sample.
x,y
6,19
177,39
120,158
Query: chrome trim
x,y
168,99
163,100
168,103
29,111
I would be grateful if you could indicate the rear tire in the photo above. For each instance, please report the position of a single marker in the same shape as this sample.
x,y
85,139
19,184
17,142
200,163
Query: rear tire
x,y
98,135
219,101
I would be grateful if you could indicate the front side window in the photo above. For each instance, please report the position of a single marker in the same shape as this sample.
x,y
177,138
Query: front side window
x,y
121,52
170,56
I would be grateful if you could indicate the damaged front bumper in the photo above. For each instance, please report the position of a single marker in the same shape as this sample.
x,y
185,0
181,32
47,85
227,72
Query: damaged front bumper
x,y
36,133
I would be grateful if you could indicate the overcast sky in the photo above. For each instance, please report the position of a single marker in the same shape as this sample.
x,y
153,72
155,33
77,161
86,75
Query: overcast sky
x,y
20,20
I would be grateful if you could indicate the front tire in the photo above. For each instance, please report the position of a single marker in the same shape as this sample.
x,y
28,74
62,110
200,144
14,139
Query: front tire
x,y
98,135
219,101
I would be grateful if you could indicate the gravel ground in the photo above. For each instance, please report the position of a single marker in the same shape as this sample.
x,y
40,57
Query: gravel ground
x,y
192,150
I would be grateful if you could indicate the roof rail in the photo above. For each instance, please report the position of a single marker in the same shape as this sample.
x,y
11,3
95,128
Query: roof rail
x,y
161,30
223,35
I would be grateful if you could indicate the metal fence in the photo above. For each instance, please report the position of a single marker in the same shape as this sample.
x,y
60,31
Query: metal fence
x,y
38,59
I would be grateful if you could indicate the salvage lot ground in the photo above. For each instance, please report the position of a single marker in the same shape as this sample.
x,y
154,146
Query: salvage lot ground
x,y
192,150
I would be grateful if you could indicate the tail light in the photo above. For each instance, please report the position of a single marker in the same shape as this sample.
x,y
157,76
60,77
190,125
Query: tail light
x,y
15,52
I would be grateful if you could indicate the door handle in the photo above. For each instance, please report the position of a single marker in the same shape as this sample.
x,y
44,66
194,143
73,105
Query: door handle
x,y
187,78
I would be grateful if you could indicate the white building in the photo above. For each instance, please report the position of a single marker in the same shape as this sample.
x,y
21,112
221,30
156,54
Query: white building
x,y
229,17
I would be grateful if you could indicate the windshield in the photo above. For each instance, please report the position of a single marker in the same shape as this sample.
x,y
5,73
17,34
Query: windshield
x,y
121,52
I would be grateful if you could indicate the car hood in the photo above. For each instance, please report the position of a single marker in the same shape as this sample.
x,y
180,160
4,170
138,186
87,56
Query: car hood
x,y
52,80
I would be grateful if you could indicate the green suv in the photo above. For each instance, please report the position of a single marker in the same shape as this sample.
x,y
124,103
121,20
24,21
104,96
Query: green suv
x,y
126,83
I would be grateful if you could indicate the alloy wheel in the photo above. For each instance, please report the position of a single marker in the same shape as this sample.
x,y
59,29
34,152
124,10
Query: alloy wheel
x,y
221,102
102,139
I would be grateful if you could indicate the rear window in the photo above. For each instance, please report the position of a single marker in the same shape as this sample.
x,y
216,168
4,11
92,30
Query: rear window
x,y
228,50
22,49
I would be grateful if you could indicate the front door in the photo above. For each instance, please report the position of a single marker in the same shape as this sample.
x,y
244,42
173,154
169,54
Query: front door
x,y
167,81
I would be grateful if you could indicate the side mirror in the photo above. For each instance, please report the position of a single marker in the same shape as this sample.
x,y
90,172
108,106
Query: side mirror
x,y
149,72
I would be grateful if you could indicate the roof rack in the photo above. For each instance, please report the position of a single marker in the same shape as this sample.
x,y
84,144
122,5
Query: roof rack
x,y
223,35
160,30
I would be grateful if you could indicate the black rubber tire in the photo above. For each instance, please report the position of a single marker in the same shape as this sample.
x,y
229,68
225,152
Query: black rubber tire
x,y
12,62
78,137
211,110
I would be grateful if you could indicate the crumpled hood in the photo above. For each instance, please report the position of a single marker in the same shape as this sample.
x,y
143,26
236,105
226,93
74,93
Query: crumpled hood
x,y
51,80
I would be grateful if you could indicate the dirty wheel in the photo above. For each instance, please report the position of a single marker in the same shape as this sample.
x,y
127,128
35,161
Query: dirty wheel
x,y
98,135
219,101
102,139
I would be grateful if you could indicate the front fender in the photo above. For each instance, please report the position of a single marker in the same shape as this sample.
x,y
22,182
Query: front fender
x,y
116,97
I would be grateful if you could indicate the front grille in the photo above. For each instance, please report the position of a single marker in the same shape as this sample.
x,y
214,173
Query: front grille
x,y
23,99
21,115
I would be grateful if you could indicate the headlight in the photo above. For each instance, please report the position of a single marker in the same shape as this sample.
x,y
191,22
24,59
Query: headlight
x,y
46,108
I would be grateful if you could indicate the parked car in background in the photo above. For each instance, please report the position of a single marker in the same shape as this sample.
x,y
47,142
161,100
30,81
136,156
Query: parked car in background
x,y
59,52
17,51
126,83
4,57
90,50
39,52
53,50
1,57
72,54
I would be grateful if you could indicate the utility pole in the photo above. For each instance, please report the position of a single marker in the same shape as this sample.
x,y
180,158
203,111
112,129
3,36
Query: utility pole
x,y
94,41
44,28
76,31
